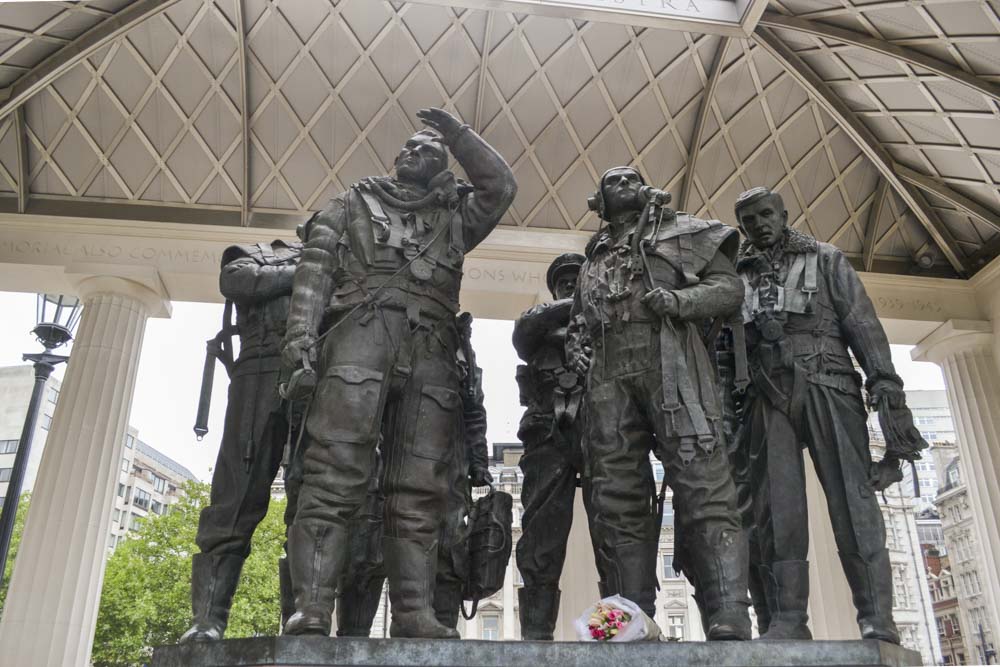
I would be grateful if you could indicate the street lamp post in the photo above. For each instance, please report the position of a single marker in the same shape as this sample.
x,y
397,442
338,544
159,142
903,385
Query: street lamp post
x,y
56,318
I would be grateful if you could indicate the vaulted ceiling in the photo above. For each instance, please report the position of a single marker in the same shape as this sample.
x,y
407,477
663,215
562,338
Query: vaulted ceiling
x,y
877,120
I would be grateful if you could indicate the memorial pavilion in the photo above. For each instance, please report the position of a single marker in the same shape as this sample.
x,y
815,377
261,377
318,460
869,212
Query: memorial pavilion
x,y
139,139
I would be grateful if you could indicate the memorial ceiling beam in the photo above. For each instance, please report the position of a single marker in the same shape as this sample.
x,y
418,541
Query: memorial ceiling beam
x,y
51,68
871,240
733,18
697,138
867,142
882,47
21,139
241,46
953,197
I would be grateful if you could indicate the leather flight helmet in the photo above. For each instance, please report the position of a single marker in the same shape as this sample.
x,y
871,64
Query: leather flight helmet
x,y
596,201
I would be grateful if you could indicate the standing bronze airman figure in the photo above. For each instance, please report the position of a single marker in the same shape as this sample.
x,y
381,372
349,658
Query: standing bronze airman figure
x,y
374,304
805,311
257,279
653,282
552,394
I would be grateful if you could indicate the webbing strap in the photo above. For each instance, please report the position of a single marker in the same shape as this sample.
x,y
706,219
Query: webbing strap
x,y
677,379
809,284
456,244
795,272
685,245
375,211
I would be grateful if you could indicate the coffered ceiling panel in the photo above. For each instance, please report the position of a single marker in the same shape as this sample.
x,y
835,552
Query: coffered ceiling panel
x,y
876,120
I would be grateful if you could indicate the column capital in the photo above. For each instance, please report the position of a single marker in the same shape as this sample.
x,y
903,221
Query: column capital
x,y
951,337
142,283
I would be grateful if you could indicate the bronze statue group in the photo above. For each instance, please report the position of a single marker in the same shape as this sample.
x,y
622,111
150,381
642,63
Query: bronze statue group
x,y
670,337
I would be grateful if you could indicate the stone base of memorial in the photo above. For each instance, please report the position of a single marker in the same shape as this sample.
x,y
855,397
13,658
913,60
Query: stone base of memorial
x,y
317,651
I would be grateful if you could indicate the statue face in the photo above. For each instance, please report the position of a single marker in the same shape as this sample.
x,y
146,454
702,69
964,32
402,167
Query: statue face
x,y
764,220
420,160
621,191
565,285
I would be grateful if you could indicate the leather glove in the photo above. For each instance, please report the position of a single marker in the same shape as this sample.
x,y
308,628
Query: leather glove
x,y
480,476
884,474
662,302
888,388
294,345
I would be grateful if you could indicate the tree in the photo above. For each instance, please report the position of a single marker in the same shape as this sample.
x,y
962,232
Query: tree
x,y
15,542
146,598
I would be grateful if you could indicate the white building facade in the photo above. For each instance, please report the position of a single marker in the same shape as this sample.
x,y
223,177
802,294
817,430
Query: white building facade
x,y
148,482
16,385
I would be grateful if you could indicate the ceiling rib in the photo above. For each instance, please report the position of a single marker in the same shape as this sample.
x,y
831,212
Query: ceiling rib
x,y
105,32
699,127
939,67
868,249
21,137
484,58
866,141
241,49
941,190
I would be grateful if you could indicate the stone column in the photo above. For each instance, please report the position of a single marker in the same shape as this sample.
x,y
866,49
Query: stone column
x,y
51,607
965,351
579,576
831,608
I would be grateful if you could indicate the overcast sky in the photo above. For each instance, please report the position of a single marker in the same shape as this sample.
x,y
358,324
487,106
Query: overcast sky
x,y
173,355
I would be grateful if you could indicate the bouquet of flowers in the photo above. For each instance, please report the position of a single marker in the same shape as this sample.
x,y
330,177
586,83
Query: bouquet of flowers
x,y
607,621
616,619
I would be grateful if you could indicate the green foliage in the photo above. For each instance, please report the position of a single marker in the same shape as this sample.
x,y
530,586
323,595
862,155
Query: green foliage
x,y
15,542
146,599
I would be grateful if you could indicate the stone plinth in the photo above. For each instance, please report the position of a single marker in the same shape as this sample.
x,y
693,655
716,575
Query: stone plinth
x,y
316,651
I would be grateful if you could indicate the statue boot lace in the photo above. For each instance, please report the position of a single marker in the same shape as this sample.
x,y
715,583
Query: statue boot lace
x,y
316,554
871,584
538,607
412,568
357,606
721,577
790,596
213,583
285,594
447,601
631,573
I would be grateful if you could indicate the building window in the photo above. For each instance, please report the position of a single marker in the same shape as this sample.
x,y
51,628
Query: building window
x,y
5,474
141,499
668,514
53,395
8,446
675,626
46,422
135,523
156,507
668,566
902,591
491,627
126,465
129,440
118,516
953,476
159,484
121,490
